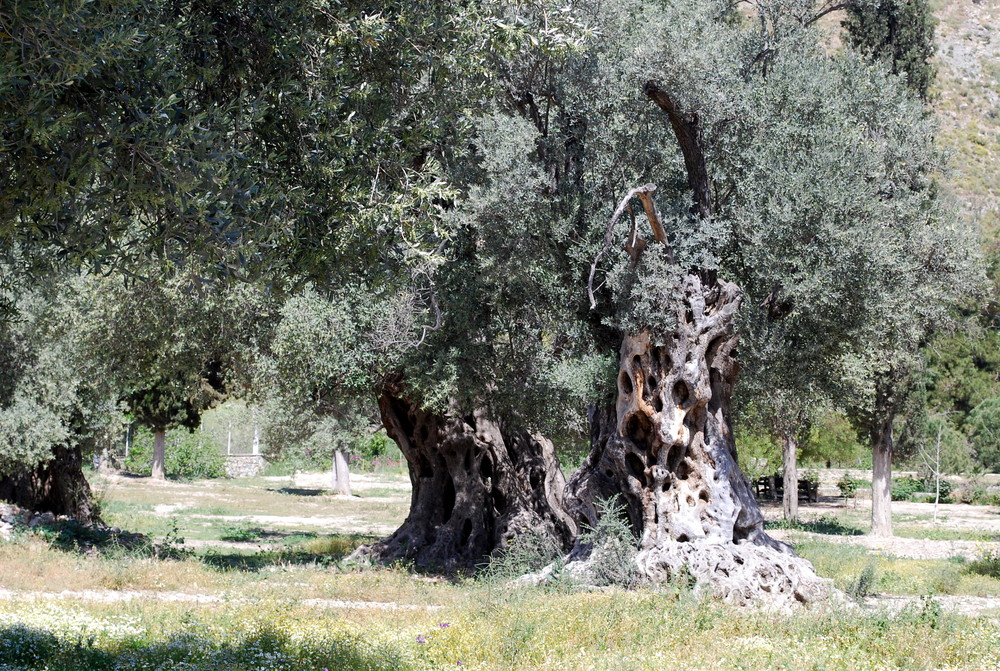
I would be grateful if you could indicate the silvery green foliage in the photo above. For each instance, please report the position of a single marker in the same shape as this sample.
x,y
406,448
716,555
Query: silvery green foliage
x,y
46,398
170,346
612,559
316,372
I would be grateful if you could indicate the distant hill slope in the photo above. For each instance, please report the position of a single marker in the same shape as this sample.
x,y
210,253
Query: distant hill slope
x,y
968,103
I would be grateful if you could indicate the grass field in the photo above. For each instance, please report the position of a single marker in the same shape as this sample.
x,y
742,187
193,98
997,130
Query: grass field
x,y
260,582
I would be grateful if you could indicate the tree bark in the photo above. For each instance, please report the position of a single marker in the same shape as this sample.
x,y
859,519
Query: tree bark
x,y
476,485
882,478
341,474
667,449
57,486
159,450
790,481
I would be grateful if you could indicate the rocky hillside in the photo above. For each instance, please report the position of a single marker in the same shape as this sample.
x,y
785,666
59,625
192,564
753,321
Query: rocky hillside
x,y
968,103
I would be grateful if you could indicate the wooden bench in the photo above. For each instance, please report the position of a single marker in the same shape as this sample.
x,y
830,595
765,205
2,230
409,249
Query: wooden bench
x,y
772,487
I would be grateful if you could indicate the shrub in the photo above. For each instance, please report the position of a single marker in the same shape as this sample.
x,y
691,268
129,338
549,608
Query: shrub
x,y
612,559
527,552
848,485
864,585
904,488
987,562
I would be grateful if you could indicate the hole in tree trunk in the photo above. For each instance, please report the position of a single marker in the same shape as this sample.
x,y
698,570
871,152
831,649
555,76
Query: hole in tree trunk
x,y
486,468
683,471
425,433
657,403
625,382
637,428
652,382
447,498
499,501
468,461
637,361
683,538
681,392
466,532
636,466
703,495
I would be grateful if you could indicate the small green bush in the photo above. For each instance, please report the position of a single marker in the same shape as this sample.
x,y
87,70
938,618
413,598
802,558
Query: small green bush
x,y
526,553
864,585
987,562
848,485
904,488
612,559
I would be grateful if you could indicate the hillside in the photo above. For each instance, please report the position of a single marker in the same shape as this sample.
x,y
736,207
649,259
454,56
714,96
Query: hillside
x,y
968,104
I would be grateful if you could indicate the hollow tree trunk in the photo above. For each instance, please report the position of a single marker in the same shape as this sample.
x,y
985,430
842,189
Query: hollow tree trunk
x,y
476,485
790,479
882,479
159,450
341,474
57,486
668,450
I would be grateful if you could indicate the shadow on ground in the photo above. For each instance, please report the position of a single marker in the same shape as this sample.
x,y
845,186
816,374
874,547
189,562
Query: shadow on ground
x,y
26,647
823,525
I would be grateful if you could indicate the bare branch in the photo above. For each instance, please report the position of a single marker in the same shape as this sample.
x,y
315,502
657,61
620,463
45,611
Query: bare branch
x,y
634,245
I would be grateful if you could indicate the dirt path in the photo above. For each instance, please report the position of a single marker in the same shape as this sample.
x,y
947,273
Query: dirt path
x,y
116,596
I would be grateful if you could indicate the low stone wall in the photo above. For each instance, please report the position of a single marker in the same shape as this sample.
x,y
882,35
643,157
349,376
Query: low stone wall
x,y
244,465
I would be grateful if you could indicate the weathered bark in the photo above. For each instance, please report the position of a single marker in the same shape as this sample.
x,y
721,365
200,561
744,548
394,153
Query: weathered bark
x,y
58,486
882,479
476,485
668,450
790,478
341,474
159,450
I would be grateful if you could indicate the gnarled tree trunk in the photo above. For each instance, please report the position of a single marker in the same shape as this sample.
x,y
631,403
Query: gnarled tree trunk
x,y
476,485
57,486
668,449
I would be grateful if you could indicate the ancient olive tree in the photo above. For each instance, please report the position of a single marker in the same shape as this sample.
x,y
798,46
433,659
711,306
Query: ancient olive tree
x,y
52,414
802,182
314,376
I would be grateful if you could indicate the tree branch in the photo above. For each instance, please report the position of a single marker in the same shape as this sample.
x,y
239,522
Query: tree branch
x,y
634,245
687,130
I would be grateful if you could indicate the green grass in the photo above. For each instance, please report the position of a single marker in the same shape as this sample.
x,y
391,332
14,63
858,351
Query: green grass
x,y
845,564
491,630
263,613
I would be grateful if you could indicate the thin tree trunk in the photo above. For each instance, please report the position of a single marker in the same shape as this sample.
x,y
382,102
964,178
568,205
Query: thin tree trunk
x,y
159,451
790,501
57,486
882,479
475,485
341,474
